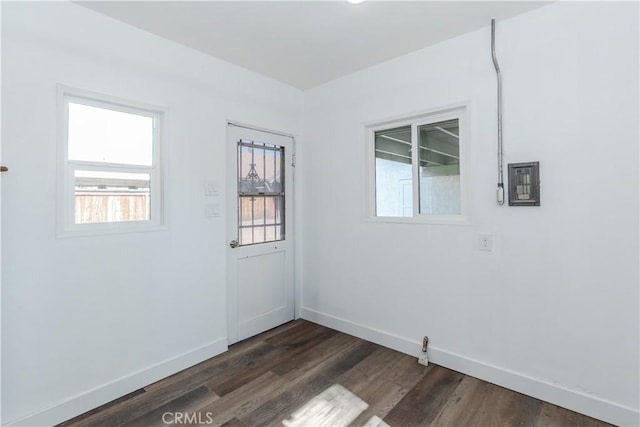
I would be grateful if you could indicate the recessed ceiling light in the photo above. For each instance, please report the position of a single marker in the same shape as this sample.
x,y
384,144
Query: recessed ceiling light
x,y
355,1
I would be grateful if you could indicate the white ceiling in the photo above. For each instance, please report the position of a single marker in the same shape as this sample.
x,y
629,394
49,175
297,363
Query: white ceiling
x,y
307,43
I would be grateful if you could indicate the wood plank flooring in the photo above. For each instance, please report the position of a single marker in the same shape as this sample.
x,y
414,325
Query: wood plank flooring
x,y
303,374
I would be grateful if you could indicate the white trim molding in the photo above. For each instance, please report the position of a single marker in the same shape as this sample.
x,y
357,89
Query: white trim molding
x,y
89,399
574,400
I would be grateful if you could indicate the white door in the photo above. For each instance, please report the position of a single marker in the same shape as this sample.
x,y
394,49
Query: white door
x,y
260,293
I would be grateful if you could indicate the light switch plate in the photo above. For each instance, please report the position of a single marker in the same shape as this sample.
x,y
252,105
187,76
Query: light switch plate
x,y
211,188
212,210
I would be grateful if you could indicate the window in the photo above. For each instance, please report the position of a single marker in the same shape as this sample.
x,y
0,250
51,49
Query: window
x,y
110,155
261,192
416,167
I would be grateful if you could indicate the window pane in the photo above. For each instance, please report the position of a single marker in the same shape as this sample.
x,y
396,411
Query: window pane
x,y
440,168
260,219
259,168
103,135
394,179
111,197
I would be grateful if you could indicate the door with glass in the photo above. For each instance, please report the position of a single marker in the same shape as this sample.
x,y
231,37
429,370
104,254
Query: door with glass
x,y
260,232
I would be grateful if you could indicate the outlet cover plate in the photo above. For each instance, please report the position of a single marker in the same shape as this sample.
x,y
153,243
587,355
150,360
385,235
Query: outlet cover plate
x,y
485,242
423,359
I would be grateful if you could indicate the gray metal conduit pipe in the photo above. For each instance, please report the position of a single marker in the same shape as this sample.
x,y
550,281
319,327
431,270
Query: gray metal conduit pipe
x,y
500,189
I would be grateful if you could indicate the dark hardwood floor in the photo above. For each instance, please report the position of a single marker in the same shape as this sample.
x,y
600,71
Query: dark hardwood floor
x,y
303,374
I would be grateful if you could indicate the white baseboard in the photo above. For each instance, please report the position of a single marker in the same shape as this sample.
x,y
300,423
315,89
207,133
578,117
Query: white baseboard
x,y
100,395
574,400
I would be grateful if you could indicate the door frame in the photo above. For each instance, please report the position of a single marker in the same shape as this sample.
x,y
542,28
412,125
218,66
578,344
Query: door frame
x,y
292,225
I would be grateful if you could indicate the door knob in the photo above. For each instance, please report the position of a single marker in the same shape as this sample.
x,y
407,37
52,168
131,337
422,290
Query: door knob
x,y
233,243
4,169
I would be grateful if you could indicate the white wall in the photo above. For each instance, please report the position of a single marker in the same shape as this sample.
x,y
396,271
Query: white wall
x,y
85,320
553,310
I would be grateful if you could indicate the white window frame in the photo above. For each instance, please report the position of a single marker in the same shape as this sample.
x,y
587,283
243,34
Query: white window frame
x,y
66,226
457,111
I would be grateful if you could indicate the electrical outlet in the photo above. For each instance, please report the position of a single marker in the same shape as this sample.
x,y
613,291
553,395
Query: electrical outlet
x,y
485,242
423,359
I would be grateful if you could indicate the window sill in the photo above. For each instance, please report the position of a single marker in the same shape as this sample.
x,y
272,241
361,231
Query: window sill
x,y
458,220
105,229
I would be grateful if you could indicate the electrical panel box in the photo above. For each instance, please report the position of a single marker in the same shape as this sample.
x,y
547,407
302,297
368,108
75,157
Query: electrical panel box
x,y
524,184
